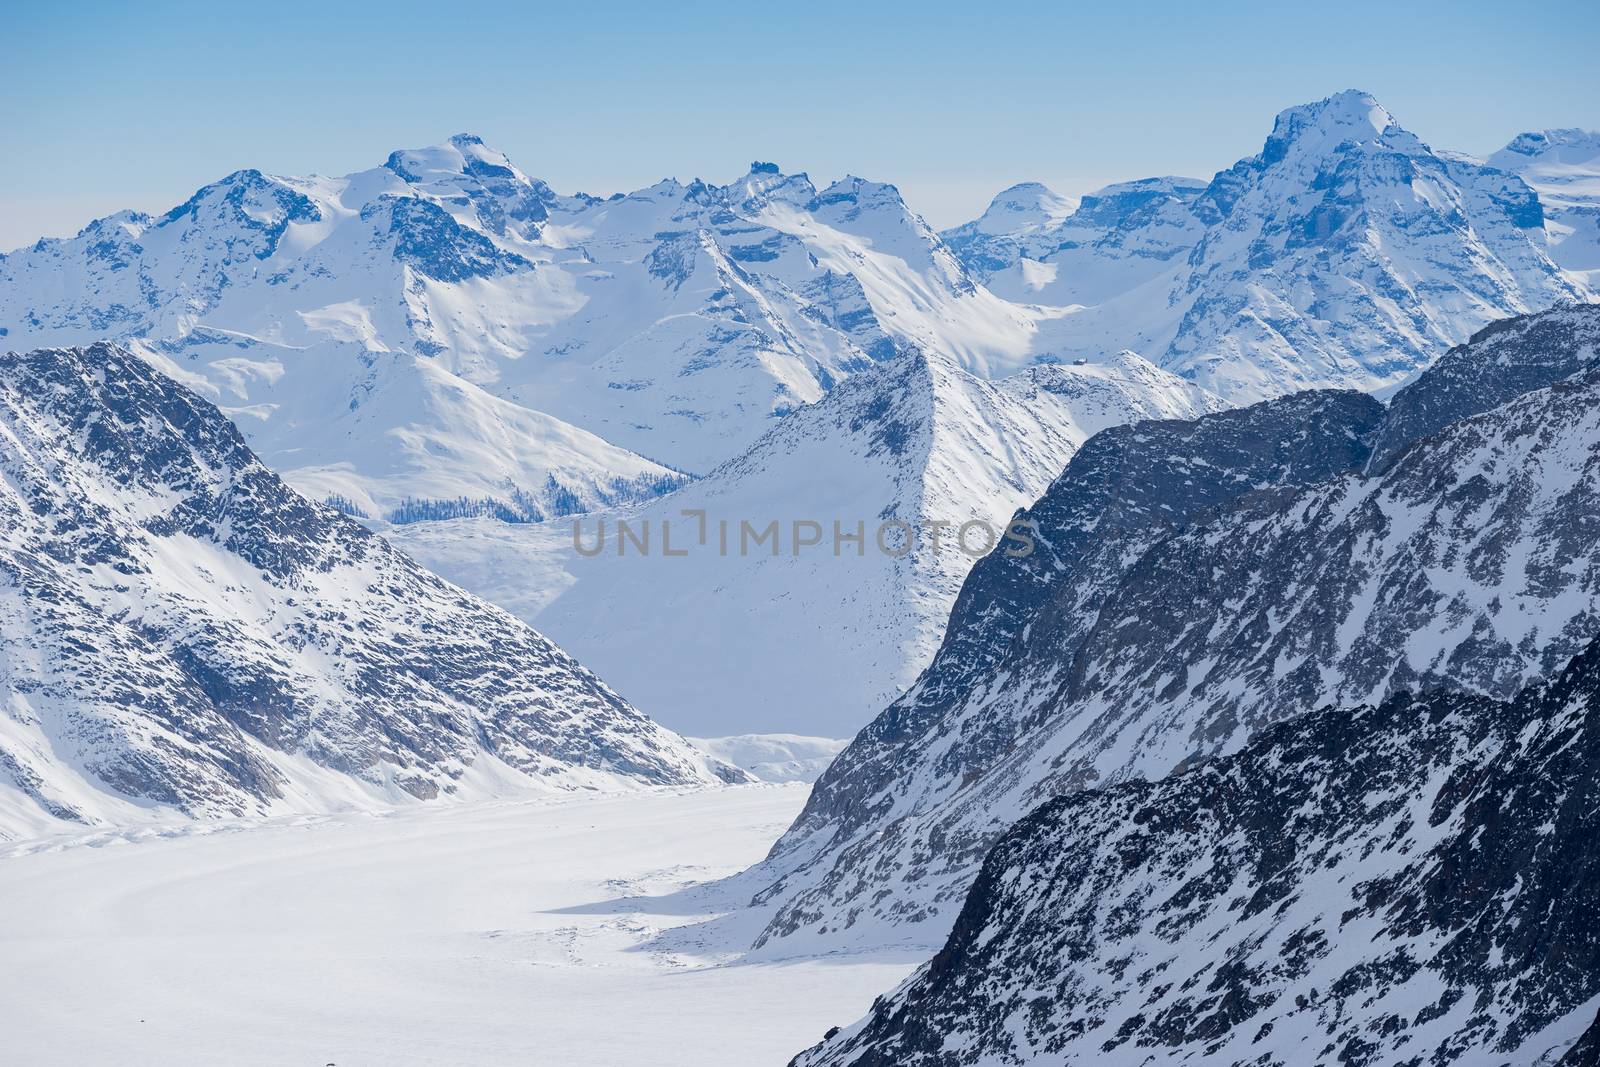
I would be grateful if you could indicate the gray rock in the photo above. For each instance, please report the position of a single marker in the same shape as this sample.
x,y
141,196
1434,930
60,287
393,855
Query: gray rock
x,y
1414,882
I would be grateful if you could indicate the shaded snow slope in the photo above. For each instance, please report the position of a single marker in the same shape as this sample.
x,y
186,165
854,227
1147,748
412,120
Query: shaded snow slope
x,y
774,757
738,635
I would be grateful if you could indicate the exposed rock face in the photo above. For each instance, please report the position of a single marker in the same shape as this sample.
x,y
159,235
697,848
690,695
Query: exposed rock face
x,y
1137,642
182,629
1415,882
1127,484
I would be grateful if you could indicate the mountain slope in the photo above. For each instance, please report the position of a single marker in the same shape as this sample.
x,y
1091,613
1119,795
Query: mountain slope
x,y
395,437
1563,167
1136,644
730,640
1500,363
1413,882
184,634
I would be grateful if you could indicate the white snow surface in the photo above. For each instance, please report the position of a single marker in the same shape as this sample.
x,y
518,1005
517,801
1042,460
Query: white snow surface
x,y
752,641
493,933
446,328
1563,166
774,757
675,322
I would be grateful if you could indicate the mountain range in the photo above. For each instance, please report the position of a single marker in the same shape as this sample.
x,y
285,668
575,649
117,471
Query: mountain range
x,y
384,338
448,350
378,335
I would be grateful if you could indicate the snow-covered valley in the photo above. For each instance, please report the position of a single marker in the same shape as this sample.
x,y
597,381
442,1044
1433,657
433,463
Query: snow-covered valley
x,y
492,933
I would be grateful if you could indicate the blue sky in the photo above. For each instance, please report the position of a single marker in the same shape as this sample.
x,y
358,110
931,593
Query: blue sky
x,y
109,106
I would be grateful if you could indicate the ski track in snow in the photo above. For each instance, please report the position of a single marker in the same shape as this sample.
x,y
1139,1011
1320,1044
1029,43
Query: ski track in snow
x,y
481,934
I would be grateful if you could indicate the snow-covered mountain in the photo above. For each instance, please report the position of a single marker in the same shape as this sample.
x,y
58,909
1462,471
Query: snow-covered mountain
x,y
397,437
182,634
1198,581
736,636
1346,254
994,240
1117,239
1415,882
446,335
1501,362
1563,167
445,330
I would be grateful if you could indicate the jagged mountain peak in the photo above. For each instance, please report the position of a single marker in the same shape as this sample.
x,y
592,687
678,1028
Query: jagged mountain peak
x,y
1346,253
1344,117
1023,208
1312,149
767,183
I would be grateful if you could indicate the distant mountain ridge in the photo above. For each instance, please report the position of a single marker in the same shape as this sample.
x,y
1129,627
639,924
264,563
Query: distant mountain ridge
x,y
382,337
1346,254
